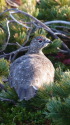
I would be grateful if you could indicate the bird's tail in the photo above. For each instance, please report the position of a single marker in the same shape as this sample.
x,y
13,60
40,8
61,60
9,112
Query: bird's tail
x,y
26,94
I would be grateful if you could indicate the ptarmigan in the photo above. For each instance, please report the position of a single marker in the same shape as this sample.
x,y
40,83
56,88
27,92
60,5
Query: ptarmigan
x,y
32,71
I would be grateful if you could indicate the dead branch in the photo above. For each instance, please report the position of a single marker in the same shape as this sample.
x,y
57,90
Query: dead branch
x,y
28,35
2,87
15,20
8,100
62,27
14,52
7,11
44,26
34,22
8,30
7,34
63,51
57,21
38,22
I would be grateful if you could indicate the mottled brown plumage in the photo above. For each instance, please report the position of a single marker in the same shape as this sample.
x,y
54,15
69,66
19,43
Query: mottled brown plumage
x,y
31,71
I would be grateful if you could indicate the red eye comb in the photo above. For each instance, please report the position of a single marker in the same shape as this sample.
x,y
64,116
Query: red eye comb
x,y
40,39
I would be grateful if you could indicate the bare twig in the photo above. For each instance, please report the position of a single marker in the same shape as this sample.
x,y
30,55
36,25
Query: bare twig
x,y
59,31
63,51
37,23
14,52
12,44
28,35
8,36
13,58
63,27
17,20
35,19
18,44
8,29
8,100
3,87
63,35
66,47
7,11
58,21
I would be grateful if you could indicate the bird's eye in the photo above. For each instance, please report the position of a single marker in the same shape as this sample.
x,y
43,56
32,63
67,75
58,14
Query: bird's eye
x,y
40,41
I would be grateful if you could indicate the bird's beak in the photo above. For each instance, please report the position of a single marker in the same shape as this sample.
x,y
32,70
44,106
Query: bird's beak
x,y
49,41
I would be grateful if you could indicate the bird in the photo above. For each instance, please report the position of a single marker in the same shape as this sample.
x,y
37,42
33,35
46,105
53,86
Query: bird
x,y
31,71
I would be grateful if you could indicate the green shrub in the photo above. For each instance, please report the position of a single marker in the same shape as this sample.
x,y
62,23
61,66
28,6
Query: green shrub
x,y
4,67
54,10
50,104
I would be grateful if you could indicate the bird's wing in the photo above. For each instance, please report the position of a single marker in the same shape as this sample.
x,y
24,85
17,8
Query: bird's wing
x,y
22,77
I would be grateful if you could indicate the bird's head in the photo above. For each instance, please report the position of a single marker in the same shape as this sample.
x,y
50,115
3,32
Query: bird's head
x,y
38,43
